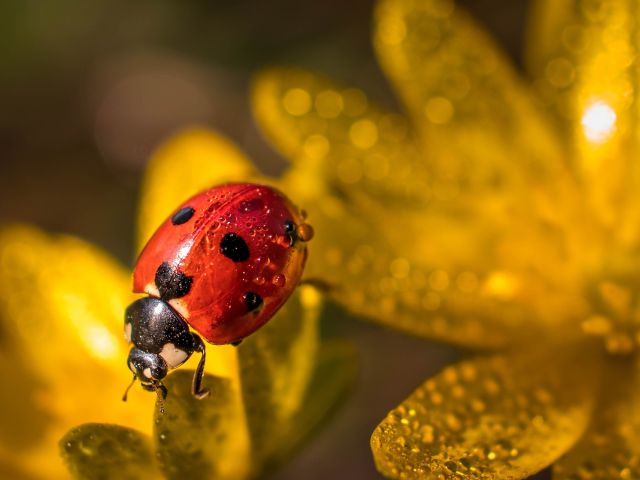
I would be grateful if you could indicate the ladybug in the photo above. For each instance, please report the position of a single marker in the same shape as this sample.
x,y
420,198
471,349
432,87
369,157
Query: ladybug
x,y
223,264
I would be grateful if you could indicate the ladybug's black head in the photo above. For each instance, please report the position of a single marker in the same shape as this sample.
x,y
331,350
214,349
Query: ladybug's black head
x,y
149,368
161,341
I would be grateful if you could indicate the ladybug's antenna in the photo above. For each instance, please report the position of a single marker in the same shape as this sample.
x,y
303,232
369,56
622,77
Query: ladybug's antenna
x,y
196,387
126,392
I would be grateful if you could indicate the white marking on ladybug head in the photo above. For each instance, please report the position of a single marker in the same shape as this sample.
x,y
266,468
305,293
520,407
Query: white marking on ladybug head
x,y
127,332
173,356
180,307
152,290
147,373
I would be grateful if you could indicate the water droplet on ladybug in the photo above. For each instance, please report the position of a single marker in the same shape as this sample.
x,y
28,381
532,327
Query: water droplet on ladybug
x,y
304,232
251,205
283,240
279,280
259,280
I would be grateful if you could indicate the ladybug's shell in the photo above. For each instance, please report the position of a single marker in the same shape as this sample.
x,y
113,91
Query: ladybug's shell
x,y
219,294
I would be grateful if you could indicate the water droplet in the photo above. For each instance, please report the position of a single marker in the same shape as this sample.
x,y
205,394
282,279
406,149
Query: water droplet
x,y
251,205
279,280
427,434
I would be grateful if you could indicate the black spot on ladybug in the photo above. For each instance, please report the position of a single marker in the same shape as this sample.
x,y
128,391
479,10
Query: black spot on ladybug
x,y
182,216
252,301
171,283
290,231
234,247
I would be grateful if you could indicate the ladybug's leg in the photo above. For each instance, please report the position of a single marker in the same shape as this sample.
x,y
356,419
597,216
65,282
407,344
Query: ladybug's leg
x,y
196,388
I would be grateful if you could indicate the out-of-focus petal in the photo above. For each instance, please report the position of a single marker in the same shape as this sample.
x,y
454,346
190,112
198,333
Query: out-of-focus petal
x,y
584,57
186,164
289,387
441,274
503,417
479,124
97,450
339,135
276,365
611,446
201,438
61,302
334,376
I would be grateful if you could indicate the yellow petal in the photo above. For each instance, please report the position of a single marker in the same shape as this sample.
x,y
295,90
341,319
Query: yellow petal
x,y
276,365
436,273
201,438
339,134
333,377
62,302
503,417
611,446
188,163
480,129
583,55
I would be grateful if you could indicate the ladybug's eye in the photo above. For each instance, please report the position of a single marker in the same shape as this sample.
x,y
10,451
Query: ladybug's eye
x,y
289,226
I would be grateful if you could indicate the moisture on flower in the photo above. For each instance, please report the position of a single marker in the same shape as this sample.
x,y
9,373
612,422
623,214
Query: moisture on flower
x,y
491,214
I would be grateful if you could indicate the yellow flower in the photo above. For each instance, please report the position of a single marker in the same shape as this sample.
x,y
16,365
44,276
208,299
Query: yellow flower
x,y
491,219
63,365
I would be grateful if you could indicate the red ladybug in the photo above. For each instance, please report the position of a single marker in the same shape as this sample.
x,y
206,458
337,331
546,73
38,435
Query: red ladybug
x,y
223,263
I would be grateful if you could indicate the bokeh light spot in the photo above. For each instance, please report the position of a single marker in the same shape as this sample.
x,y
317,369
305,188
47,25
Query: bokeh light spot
x,y
297,102
329,104
363,134
439,110
316,146
598,121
